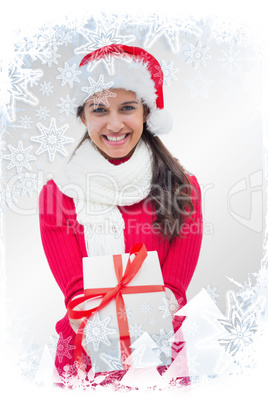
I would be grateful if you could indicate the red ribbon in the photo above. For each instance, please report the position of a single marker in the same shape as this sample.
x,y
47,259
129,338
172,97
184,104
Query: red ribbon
x,y
109,294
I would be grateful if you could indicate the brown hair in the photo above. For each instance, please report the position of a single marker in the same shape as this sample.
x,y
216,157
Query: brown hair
x,y
170,193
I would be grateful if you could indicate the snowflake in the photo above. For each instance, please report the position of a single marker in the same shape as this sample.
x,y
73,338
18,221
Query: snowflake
x,y
164,26
46,88
99,90
68,75
46,35
19,157
64,347
152,321
52,139
50,56
25,122
53,346
39,166
188,26
192,364
25,136
67,376
168,73
28,184
229,60
146,308
99,38
7,197
165,308
73,377
42,113
29,361
10,175
164,342
240,325
67,105
262,277
2,145
13,86
64,37
32,47
226,31
212,293
102,38
170,306
247,292
197,55
125,313
61,119
135,331
174,383
71,369
190,327
245,359
42,46
96,331
113,361
33,76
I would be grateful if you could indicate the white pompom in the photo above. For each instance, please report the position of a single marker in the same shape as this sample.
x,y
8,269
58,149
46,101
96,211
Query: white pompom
x,y
159,122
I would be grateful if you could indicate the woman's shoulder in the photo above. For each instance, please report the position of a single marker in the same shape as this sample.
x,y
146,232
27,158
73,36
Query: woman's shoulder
x,y
195,187
50,188
51,196
193,180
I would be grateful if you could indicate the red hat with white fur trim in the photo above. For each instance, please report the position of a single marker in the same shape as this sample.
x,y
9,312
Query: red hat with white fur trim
x,y
131,68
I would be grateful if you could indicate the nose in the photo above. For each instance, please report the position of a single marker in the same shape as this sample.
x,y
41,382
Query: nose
x,y
115,122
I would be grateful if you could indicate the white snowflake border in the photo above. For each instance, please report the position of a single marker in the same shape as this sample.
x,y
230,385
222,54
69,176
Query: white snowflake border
x,y
46,52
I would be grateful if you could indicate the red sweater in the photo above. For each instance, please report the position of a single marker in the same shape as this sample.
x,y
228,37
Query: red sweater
x,y
64,245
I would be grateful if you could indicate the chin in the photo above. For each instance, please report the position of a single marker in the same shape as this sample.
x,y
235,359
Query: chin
x,y
119,153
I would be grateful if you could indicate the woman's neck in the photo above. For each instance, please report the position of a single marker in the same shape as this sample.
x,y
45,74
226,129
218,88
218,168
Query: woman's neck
x,y
126,157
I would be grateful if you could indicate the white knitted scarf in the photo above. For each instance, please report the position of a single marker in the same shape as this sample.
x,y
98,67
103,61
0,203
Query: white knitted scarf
x,y
98,187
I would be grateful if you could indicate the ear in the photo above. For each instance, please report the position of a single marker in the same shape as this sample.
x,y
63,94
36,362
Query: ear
x,y
83,120
145,112
81,114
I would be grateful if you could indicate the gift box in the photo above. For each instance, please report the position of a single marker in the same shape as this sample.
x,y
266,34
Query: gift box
x,y
127,322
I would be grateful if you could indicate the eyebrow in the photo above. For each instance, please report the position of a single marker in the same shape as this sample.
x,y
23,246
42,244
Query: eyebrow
x,y
103,105
126,103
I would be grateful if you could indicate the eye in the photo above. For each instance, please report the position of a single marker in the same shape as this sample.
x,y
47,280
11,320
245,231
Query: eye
x,y
99,110
128,107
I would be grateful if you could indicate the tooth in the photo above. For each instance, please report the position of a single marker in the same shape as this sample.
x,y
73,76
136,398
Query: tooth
x,y
116,139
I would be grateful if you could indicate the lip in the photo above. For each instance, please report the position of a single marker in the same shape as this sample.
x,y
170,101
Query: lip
x,y
116,143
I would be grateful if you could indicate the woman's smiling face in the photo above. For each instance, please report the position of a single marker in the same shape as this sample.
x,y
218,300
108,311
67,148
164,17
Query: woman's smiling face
x,y
115,129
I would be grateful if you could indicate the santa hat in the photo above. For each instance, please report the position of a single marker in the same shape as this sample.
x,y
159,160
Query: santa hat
x,y
131,68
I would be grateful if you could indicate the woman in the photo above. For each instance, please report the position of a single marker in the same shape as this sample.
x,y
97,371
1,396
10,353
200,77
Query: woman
x,y
121,186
